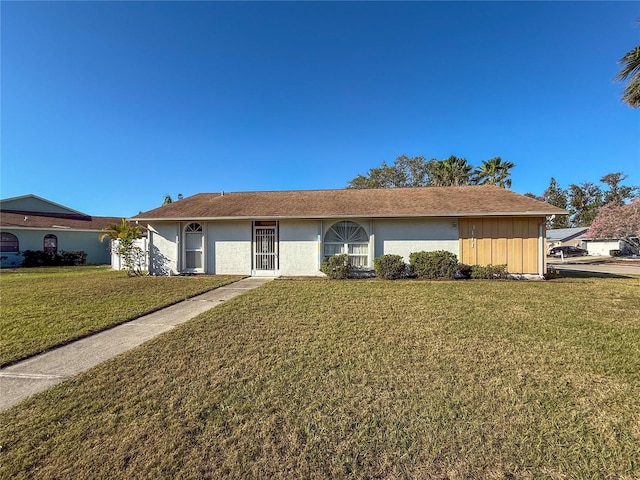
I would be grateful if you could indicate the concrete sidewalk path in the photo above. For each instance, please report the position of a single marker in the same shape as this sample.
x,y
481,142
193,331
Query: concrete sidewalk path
x,y
38,373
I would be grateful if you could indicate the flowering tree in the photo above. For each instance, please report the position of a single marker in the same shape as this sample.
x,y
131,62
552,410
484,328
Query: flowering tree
x,y
618,221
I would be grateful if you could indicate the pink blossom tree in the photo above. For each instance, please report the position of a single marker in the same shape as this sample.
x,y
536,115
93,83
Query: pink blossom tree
x,y
618,221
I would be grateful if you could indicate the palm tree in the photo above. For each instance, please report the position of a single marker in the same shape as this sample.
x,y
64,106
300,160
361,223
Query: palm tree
x,y
630,70
123,231
122,239
494,172
451,172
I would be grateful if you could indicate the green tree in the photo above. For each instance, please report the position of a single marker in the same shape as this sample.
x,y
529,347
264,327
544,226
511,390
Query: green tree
x,y
122,237
584,201
630,71
557,196
415,169
405,172
418,172
451,172
384,176
494,172
617,194
534,196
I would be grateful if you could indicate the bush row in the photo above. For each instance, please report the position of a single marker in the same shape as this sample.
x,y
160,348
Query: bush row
x,y
337,266
439,264
38,258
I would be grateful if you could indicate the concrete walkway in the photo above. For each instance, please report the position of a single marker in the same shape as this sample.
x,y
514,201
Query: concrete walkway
x,y
38,373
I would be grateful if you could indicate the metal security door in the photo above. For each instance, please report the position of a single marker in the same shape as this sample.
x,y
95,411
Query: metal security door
x,y
265,248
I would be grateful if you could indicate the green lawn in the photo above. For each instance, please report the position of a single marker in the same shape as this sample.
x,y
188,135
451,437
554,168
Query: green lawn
x,y
44,307
359,379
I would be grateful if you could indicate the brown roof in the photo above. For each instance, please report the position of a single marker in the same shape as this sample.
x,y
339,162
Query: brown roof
x,y
60,222
388,202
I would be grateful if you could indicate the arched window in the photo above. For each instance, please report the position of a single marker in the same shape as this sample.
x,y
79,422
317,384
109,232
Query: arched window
x,y
350,238
50,243
9,243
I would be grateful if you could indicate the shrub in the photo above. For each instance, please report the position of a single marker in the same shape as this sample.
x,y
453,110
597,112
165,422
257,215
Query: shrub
x,y
337,266
614,253
463,271
39,258
73,258
489,271
390,267
438,264
552,273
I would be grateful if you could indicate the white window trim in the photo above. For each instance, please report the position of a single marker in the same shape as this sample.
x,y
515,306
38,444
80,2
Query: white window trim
x,y
365,257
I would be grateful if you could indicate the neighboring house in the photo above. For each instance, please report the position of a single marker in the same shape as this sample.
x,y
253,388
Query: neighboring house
x,y
569,237
30,222
603,247
577,237
290,232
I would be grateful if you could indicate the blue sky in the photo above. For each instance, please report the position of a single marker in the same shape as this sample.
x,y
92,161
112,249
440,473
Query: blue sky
x,y
109,106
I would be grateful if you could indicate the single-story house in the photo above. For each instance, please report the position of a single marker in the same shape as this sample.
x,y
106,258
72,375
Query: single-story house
x,y
30,222
288,233
569,237
603,247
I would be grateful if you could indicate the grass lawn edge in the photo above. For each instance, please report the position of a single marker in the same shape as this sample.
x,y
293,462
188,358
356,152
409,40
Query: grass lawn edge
x,y
81,336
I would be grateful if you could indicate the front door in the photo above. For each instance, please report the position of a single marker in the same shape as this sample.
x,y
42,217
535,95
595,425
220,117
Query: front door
x,y
265,248
194,248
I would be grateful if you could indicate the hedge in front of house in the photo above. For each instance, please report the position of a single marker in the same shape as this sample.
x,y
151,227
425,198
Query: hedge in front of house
x,y
337,267
434,265
39,258
488,272
390,267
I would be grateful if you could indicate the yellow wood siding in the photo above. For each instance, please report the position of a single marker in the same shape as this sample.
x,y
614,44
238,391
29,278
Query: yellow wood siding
x,y
511,241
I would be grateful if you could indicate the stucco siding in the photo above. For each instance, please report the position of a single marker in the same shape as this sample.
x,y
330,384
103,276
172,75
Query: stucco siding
x,y
403,237
228,248
69,241
163,248
299,247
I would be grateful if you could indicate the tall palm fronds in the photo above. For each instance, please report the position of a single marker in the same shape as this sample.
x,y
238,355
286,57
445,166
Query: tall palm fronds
x,y
494,172
451,172
123,231
630,70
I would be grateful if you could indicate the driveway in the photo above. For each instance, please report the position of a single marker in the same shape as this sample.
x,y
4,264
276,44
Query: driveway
x,y
604,267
